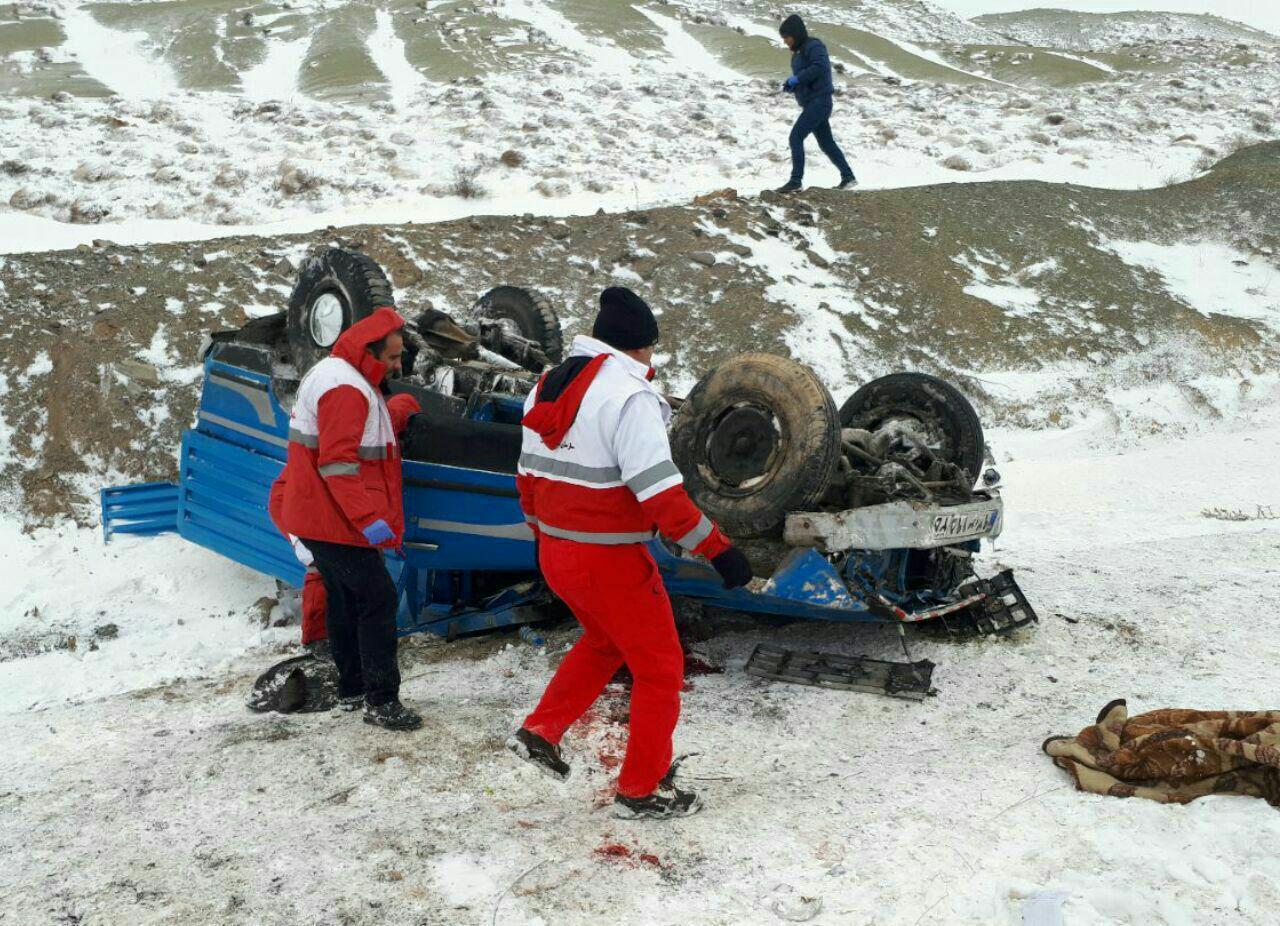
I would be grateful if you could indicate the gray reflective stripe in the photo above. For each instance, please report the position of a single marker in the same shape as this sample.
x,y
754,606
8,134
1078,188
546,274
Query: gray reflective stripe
x,y
545,466
519,531
700,533
306,440
372,453
593,537
652,476
340,469
244,429
530,519
256,393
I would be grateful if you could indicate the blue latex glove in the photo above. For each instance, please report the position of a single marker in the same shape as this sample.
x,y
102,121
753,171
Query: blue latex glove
x,y
791,84
378,533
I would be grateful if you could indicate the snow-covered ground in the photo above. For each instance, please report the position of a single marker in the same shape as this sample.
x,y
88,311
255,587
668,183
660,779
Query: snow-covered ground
x,y
630,105
1153,570
136,788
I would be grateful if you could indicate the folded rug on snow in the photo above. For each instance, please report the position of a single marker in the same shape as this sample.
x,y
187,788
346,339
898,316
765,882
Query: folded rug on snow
x,y
1174,755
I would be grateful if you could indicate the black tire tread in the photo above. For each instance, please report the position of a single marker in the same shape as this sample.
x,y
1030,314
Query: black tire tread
x,y
814,451
531,311
363,280
971,446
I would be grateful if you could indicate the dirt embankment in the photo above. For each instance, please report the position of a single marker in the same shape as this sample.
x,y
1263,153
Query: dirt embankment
x,y
99,345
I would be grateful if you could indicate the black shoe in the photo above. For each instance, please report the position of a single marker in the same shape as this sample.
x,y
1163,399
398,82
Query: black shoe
x,y
543,755
392,716
663,804
791,186
848,183
349,703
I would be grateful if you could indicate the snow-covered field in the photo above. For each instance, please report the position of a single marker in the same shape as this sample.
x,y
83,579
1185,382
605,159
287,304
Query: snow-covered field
x,y
1153,571
136,788
172,122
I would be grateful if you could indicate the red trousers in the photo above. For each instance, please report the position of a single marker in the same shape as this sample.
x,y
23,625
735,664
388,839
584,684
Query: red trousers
x,y
314,606
617,595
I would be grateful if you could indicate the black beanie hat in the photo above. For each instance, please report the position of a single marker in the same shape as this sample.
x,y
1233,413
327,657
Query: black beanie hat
x,y
793,26
625,320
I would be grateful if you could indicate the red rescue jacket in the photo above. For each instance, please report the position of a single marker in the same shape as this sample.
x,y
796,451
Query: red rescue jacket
x,y
343,467
595,463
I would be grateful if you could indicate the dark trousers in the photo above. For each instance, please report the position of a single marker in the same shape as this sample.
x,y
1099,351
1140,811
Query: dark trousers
x,y
361,619
815,120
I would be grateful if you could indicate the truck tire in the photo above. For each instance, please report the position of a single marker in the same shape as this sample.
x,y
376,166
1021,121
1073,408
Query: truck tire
x,y
757,438
335,289
531,314
950,425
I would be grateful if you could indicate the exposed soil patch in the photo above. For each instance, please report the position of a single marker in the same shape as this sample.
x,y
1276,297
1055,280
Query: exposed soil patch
x,y
100,362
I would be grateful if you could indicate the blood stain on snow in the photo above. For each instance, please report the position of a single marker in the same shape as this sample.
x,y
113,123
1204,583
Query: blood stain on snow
x,y
618,853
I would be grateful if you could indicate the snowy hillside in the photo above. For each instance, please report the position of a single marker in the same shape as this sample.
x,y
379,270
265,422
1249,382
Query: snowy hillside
x,y
1106,31
174,123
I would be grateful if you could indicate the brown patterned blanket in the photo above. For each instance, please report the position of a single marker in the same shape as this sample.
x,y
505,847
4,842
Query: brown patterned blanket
x,y
1174,755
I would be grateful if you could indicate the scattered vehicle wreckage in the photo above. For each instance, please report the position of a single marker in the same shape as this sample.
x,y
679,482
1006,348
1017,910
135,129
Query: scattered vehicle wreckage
x,y
871,512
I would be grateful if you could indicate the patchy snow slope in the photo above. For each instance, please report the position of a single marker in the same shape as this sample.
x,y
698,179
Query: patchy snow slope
x,y
1210,277
1108,30
261,152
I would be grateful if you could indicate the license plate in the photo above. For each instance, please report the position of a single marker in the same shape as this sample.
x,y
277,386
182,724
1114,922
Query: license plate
x,y
964,525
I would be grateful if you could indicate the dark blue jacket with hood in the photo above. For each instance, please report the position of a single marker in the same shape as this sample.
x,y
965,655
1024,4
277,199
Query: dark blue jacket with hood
x,y
809,62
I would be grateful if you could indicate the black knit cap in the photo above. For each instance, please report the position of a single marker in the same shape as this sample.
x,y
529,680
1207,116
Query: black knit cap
x,y
793,26
625,320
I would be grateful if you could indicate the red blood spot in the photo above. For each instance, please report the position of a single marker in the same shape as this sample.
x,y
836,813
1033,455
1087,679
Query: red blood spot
x,y
650,859
613,850
609,760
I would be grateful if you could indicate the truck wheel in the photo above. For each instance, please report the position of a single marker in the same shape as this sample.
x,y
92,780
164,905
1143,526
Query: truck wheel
x,y
930,407
529,314
757,438
335,289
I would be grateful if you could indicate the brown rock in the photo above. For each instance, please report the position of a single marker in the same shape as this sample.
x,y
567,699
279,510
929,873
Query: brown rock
x,y
103,330
139,372
817,259
728,193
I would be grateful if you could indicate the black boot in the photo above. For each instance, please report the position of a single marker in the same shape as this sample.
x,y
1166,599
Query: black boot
x,y
543,755
847,183
665,803
791,186
392,716
349,703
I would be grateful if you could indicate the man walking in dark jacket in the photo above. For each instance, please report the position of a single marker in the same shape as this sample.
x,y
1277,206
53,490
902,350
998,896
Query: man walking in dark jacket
x,y
810,81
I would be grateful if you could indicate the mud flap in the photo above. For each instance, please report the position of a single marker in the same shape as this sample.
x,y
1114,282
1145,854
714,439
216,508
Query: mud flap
x,y
1004,609
909,680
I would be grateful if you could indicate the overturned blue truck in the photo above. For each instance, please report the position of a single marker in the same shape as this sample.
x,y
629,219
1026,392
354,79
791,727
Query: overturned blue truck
x,y
870,512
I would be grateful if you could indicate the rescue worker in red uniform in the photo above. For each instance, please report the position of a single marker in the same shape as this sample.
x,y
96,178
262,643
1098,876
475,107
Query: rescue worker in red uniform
x,y
597,481
340,495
